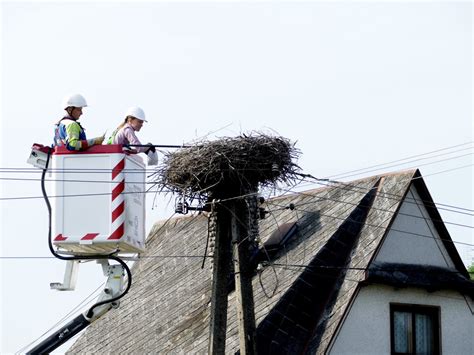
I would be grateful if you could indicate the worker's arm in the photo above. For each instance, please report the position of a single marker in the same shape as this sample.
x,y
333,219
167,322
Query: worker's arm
x,y
132,139
77,141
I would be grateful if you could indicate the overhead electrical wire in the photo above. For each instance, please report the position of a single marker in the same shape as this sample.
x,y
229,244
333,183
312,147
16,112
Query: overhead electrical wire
x,y
108,170
383,165
325,198
313,197
324,184
296,267
391,228
345,185
101,171
353,185
17,257
339,174
342,175
301,193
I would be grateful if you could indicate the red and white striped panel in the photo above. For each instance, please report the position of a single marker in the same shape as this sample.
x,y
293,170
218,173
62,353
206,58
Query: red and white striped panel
x,y
118,201
118,208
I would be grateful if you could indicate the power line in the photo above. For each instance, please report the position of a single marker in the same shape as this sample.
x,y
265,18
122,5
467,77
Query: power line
x,y
328,267
403,159
300,193
388,195
417,166
154,183
364,190
319,198
141,171
325,182
152,171
392,229
80,195
361,170
81,181
17,257
395,230
322,182
345,278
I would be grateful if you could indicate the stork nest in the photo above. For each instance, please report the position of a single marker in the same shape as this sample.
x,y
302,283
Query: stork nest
x,y
229,164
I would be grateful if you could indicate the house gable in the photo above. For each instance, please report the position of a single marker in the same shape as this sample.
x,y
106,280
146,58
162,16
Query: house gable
x,y
412,237
415,263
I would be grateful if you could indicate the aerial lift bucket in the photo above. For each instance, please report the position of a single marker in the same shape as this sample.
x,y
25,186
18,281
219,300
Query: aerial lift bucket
x,y
98,200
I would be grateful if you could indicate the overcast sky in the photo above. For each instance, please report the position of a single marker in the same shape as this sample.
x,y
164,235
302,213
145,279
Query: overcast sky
x,y
354,84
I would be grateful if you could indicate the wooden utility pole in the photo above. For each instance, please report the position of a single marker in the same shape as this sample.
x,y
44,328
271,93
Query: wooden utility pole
x,y
232,221
220,228
241,245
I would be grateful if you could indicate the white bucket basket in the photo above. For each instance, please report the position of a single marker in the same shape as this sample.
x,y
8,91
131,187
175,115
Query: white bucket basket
x,y
98,200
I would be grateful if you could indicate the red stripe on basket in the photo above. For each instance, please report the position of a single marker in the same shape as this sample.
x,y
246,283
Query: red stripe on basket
x,y
118,168
118,211
90,236
118,190
59,238
118,233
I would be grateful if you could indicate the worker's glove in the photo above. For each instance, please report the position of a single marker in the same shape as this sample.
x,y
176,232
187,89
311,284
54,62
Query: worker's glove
x,y
151,149
95,141
98,140
152,157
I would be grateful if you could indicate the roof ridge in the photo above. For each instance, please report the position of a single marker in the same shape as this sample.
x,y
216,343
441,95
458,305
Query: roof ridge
x,y
364,179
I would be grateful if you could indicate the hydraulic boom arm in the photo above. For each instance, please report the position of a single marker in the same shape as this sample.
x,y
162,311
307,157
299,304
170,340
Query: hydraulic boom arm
x,y
112,289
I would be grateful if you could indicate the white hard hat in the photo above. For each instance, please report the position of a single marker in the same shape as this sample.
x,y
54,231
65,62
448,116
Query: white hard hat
x,y
136,112
75,100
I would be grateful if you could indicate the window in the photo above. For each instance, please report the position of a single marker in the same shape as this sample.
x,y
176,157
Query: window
x,y
414,329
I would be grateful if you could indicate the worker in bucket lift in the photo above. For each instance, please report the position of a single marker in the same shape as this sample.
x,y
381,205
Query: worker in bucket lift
x,y
125,134
68,131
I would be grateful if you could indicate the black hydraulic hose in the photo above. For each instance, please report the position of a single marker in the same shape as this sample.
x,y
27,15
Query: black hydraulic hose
x,y
83,257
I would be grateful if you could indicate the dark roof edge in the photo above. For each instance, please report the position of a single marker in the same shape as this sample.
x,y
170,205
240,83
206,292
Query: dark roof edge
x,y
433,212
377,185
374,255
431,278
389,226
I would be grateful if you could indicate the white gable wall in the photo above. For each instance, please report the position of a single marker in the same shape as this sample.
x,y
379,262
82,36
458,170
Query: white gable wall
x,y
412,247
366,329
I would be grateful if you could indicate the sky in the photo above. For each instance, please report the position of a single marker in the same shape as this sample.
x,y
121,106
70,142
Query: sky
x,y
353,84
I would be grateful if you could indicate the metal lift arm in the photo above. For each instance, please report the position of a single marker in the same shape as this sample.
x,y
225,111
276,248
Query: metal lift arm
x,y
112,289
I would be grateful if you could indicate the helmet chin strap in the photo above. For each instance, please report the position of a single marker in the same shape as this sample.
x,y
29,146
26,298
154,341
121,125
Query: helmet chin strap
x,y
69,112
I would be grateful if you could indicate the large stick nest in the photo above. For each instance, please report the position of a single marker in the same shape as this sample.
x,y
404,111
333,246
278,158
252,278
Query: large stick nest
x,y
229,164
